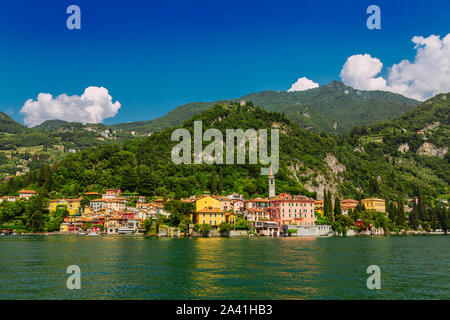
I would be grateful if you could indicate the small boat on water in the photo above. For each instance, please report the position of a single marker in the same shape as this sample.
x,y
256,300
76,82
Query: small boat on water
x,y
82,234
93,234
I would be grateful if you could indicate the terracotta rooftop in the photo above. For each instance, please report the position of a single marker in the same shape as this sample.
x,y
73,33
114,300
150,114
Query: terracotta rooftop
x,y
210,210
27,191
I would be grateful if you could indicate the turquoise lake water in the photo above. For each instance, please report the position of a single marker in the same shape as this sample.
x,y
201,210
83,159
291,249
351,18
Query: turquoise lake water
x,y
120,267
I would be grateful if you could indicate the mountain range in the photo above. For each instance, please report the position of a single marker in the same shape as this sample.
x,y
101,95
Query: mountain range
x,y
389,159
332,108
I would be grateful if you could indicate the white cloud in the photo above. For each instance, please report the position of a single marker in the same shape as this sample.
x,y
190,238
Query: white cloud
x,y
303,84
360,72
426,76
94,105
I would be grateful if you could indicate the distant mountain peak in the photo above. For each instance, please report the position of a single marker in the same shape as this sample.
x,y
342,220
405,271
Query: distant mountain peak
x,y
337,84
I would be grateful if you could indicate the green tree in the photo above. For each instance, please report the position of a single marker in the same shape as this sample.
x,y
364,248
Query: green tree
x,y
220,183
400,216
34,214
179,211
341,224
146,181
184,224
337,207
225,228
413,218
204,229
213,183
55,218
129,179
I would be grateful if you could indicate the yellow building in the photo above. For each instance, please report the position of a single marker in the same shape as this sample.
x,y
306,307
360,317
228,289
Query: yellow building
x,y
210,215
73,205
206,202
64,227
318,207
230,217
214,217
374,204
208,210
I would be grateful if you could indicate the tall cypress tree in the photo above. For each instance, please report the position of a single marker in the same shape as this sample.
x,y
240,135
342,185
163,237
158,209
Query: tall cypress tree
x,y
337,207
220,184
213,183
422,212
401,216
325,203
414,217
391,210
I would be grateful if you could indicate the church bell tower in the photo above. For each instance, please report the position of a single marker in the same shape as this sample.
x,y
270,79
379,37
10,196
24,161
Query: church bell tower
x,y
271,184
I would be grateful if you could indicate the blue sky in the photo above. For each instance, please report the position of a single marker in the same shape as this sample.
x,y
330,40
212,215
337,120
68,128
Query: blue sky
x,y
155,55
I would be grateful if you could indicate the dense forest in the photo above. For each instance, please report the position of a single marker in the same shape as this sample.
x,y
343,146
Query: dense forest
x,y
333,108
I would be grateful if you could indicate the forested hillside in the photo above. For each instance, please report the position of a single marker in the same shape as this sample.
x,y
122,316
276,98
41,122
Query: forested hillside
x,y
365,163
332,108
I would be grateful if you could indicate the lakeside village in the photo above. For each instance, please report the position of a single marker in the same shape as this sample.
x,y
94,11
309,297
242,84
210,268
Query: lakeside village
x,y
115,212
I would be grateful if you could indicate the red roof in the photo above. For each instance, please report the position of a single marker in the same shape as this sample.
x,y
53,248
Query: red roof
x,y
27,191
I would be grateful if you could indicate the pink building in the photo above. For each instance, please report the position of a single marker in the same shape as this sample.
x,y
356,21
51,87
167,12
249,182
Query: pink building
x,y
112,193
292,210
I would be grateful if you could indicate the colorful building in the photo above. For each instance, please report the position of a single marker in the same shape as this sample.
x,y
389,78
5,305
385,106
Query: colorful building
x,y
374,204
8,198
210,215
256,214
112,193
73,205
318,207
117,204
97,204
159,202
26,194
257,203
238,205
292,210
225,203
350,203
207,202
213,216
